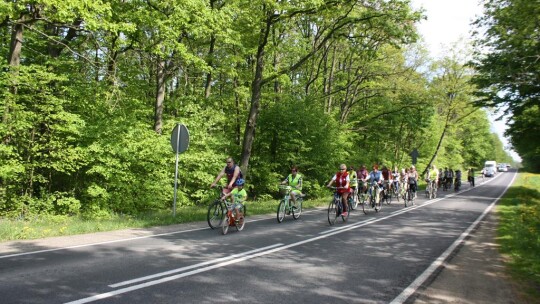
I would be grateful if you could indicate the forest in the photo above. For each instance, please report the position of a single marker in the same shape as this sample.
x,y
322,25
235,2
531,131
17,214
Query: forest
x,y
91,91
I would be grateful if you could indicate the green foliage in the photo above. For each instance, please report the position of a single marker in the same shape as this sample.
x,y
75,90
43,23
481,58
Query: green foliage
x,y
519,229
298,132
336,87
508,65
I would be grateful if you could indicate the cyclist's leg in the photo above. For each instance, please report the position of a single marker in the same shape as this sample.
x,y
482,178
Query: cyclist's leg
x,y
345,204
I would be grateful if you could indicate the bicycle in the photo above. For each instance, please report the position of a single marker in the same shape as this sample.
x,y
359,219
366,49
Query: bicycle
x,y
353,199
408,197
216,211
231,220
396,190
373,199
286,206
457,184
386,195
431,189
446,184
335,208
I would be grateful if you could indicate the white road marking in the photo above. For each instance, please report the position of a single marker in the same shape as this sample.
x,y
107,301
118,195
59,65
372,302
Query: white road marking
x,y
243,257
161,274
440,261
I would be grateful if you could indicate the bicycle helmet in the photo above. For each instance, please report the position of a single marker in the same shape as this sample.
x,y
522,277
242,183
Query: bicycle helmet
x,y
240,182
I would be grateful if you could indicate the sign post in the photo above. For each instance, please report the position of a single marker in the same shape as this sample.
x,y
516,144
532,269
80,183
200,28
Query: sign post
x,y
414,154
179,144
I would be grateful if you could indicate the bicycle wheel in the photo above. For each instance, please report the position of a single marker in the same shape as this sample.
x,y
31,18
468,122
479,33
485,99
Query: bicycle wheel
x,y
332,213
215,214
240,223
434,192
355,199
297,210
388,197
225,225
365,201
406,197
396,193
281,211
378,202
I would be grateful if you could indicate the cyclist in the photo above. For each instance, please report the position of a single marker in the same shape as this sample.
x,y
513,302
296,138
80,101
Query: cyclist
x,y
396,177
450,177
375,176
295,181
433,176
342,181
457,183
363,176
239,195
470,176
353,177
404,178
232,171
413,179
387,176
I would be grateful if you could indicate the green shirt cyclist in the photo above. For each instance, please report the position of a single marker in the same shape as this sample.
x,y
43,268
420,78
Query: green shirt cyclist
x,y
295,181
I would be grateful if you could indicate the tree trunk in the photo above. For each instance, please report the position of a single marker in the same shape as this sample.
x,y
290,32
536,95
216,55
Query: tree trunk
x,y
160,97
256,87
446,123
208,84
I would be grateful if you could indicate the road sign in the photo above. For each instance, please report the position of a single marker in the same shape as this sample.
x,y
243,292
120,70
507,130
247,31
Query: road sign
x,y
414,154
179,144
180,138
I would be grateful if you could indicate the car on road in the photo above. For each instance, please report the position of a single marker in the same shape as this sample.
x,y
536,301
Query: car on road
x,y
502,167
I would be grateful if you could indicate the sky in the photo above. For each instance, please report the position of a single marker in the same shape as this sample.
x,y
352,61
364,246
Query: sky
x,y
449,21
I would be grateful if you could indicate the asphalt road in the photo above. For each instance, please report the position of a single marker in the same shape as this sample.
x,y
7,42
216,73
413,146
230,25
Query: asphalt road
x,y
383,257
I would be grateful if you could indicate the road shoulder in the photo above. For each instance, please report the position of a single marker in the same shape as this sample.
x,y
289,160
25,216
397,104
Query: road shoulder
x,y
475,273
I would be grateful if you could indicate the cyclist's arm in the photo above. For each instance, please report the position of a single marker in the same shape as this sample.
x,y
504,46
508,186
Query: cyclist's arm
x,y
331,181
218,177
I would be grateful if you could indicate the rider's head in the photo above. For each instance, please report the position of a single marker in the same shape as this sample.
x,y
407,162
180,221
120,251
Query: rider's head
x,y
240,182
294,169
413,167
351,168
230,162
375,167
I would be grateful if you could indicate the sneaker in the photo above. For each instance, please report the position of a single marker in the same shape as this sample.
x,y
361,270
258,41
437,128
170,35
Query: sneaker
x,y
345,213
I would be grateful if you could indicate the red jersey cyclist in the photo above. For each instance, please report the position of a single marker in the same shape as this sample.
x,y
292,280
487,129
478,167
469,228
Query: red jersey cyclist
x,y
232,171
343,188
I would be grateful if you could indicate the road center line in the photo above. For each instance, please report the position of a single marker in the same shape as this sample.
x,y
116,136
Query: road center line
x,y
161,274
408,291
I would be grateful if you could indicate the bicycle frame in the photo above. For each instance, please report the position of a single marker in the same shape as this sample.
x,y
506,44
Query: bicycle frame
x,y
286,207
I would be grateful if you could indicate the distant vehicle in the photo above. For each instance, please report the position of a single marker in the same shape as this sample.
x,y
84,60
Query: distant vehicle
x,y
490,168
502,167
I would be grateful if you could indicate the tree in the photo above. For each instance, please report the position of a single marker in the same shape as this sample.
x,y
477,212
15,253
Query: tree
x,y
508,63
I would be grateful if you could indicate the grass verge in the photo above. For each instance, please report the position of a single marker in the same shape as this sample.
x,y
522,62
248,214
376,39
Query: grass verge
x,y
49,226
519,231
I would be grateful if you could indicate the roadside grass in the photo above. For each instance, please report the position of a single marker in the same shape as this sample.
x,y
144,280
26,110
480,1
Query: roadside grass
x,y
50,226
519,231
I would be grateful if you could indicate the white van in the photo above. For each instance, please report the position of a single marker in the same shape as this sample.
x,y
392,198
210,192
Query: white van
x,y
490,168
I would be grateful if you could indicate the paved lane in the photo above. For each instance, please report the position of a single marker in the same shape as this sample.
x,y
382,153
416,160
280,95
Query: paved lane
x,y
375,258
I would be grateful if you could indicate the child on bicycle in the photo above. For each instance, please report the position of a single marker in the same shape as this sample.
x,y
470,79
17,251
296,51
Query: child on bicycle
x,y
239,195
